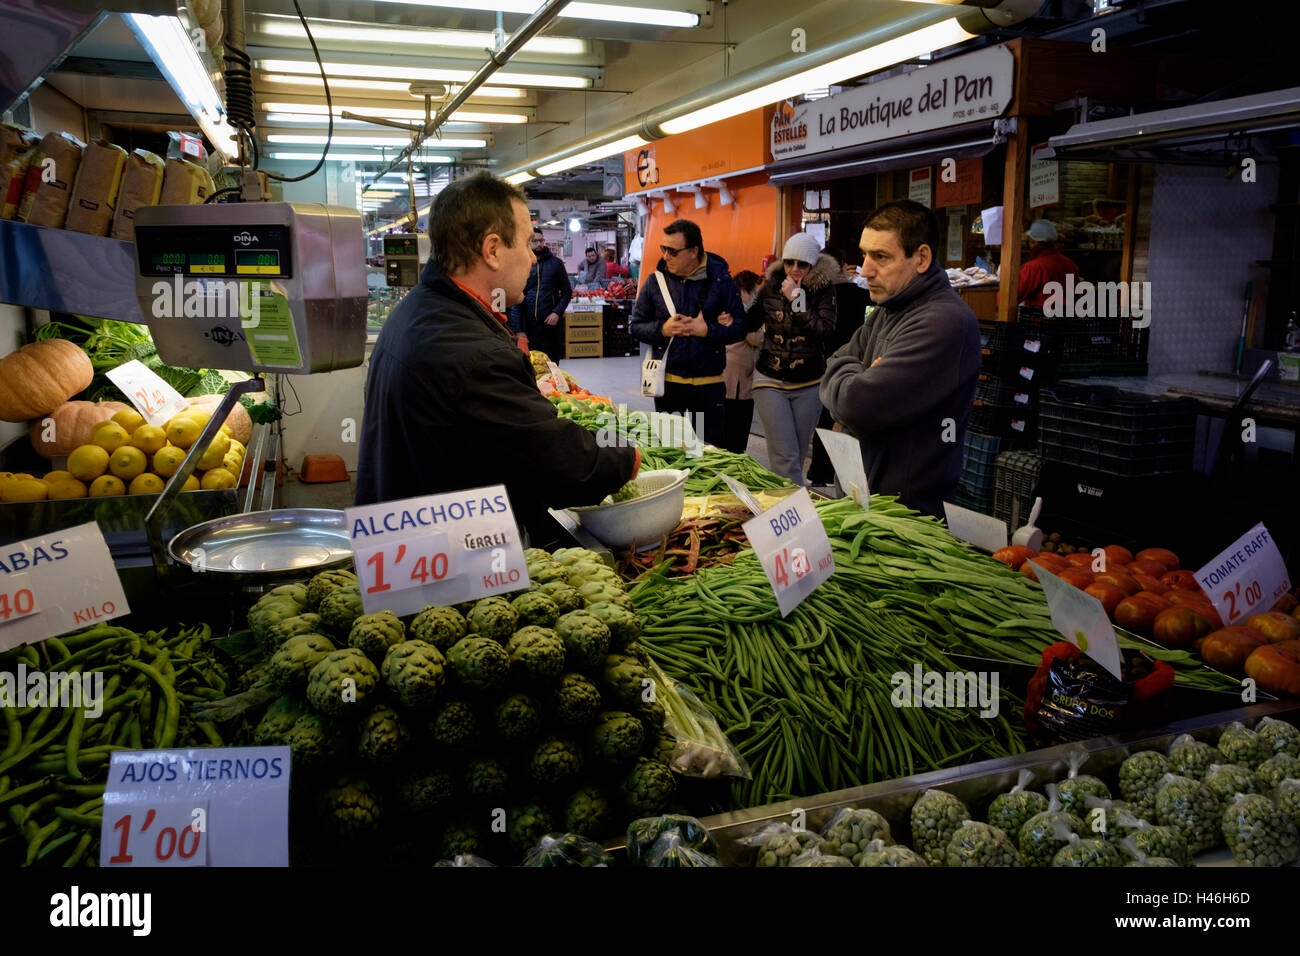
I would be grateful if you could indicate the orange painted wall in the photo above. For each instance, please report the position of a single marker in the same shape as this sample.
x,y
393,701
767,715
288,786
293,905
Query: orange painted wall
x,y
742,233
729,145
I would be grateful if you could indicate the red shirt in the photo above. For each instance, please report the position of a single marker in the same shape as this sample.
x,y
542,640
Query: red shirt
x,y
614,271
483,302
1042,267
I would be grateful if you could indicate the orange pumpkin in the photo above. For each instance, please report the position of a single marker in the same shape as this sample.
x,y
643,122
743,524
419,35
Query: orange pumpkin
x,y
40,377
72,424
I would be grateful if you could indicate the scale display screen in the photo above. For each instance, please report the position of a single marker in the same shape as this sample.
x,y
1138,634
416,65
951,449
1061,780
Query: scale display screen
x,y
215,251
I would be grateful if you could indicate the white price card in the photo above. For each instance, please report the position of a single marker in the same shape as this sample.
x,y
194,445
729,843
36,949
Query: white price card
x,y
1247,577
985,532
845,453
152,397
436,549
744,494
57,582
1081,620
223,806
557,378
792,546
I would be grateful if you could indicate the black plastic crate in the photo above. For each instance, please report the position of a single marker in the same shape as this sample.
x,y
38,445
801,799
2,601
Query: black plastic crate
x,y
975,502
1015,486
1005,390
1081,340
1116,432
979,461
1017,423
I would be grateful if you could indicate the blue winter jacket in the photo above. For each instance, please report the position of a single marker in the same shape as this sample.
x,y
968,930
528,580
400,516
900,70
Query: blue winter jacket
x,y
711,290
548,290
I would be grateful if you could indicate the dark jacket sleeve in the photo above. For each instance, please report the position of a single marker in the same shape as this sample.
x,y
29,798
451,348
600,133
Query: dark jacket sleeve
x,y
560,285
645,322
728,298
912,377
820,315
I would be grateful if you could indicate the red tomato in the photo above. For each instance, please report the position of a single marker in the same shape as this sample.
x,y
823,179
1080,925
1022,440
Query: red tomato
x,y
1181,579
1079,577
1121,580
1148,566
1107,594
1137,614
1163,555
1154,585
1117,555
1179,627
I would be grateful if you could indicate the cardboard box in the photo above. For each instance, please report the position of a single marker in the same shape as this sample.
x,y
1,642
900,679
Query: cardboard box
x,y
49,181
583,334
583,350
185,184
576,319
99,181
141,186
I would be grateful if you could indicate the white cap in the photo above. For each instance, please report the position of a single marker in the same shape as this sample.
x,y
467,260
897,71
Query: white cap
x,y
802,247
1043,231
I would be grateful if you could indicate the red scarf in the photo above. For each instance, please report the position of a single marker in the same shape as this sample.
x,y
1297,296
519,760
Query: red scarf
x,y
483,302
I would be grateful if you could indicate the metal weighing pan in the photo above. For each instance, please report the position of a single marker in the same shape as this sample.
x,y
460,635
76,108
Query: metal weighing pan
x,y
265,546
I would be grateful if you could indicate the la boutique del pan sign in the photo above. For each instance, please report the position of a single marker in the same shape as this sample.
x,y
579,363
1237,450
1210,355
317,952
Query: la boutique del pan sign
x,y
961,90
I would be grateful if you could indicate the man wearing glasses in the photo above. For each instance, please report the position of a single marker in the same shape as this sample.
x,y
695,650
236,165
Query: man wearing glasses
x,y
700,327
546,296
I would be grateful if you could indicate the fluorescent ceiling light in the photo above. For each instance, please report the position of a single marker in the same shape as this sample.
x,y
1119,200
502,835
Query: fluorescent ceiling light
x,y
407,36
519,179
172,50
578,11
394,113
379,86
295,139
869,60
380,194
590,155
355,157
419,73
308,119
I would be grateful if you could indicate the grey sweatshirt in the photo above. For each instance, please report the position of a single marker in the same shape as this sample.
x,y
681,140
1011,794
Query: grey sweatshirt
x,y
909,411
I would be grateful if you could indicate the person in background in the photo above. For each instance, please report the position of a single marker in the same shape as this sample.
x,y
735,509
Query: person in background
x,y
1045,264
795,307
612,269
593,269
905,383
739,374
451,403
706,321
851,302
536,320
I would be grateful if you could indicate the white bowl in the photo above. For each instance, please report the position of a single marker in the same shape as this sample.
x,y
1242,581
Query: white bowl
x,y
641,522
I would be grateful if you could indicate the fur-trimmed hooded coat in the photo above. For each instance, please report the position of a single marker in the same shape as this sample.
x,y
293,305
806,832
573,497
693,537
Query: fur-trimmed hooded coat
x,y
793,331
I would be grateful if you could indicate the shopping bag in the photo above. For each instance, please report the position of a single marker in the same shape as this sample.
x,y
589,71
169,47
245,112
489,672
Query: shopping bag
x,y
653,369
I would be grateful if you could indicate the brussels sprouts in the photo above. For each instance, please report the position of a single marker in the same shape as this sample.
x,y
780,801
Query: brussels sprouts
x,y
1240,745
936,815
1226,780
978,844
1192,807
1258,833
1139,778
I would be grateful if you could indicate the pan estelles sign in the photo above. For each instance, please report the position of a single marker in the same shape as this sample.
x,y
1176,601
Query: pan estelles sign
x,y
961,90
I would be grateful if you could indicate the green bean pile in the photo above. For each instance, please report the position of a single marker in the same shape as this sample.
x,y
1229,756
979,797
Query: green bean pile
x,y
707,470
54,760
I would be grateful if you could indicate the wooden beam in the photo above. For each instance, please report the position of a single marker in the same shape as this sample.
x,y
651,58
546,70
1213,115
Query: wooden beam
x,y
1015,180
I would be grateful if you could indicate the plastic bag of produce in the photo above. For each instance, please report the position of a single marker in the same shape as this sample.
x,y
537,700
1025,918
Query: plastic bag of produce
x,y
1239,744
1189,757
644,833
1278,736
893,855
1192,807
1009,811
1155,840
1226,780
936,815
980,844
1258,833
1288,799
1138,858
777,844
815,856
849,831
1112,819
465,859
1077,787
672,849
703,750
1038,839
1276,769
1139,778
1083,851
567,850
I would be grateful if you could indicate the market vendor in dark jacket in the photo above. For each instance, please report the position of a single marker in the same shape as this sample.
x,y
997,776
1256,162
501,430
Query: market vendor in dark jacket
x,y
451,402
546,297
708,318
905,383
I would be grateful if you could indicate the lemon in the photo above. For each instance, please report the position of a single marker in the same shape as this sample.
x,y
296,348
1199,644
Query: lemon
x,y
129,419
149,438
88,462
182,431
55,476
106,485
233,463
145,484
230,432
68,487
108,435
215,452
128,462
24,489
191,484
217,478
236,445
198,414
166,460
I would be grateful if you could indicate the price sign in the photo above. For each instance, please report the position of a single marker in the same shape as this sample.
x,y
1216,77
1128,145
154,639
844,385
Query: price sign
x,y
792,546
1081,620
152,397
744,494
845,453
558,378
224,806
1246,578
437,549
985,532
17,600
55,583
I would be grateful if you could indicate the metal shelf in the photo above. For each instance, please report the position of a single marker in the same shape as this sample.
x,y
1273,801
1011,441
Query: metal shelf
x,y
62,271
